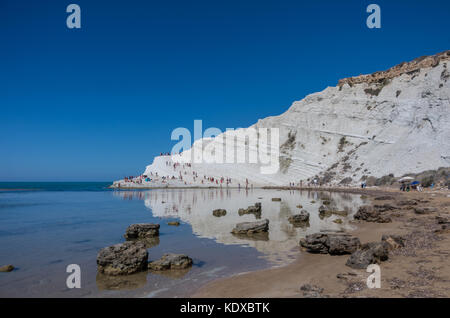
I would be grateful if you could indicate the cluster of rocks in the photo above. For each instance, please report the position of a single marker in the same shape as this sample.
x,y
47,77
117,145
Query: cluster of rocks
x,y
374,252
132,256
361,255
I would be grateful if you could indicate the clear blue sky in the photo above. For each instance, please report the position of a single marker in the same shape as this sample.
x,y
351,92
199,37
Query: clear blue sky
x,y
98,103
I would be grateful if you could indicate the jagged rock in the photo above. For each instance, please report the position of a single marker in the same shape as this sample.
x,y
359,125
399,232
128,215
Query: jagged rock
x,y
393,241
171,261
253,209
174,223
276,199
302,217
326,202
337,221
312,291
370,253
334,244
122,259
6,268
384,198
369,214
300,206
419,210
342,244
219,212
141,231
251,227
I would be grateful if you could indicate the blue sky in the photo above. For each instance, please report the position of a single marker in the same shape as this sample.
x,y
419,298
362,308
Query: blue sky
x,y
98,103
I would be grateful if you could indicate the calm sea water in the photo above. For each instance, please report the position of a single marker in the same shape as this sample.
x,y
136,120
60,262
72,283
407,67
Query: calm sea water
x,y
44,227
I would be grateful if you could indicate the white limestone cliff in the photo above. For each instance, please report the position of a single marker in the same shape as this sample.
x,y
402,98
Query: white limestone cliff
x,y
396,121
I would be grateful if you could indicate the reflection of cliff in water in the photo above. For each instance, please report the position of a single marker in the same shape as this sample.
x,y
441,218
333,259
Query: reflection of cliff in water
x,y
195,206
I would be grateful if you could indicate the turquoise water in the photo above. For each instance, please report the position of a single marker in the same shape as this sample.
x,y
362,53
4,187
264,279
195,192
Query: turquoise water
x,y
46,226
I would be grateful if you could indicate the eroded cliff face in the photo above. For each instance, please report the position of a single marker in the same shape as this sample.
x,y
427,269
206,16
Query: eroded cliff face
x,y
391,122
397,121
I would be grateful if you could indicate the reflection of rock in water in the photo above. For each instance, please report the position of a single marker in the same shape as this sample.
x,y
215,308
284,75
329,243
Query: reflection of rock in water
x,y
127,282
148,242
194,207
261,236
173,273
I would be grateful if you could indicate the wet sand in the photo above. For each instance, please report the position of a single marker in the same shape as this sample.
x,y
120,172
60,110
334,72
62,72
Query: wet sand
x,y
420,269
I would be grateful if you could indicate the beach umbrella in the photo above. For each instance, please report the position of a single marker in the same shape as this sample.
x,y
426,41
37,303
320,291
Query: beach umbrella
x,y
405,179
415,182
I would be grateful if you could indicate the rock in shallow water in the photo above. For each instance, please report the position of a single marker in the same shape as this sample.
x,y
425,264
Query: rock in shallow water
x,y
302,217
6,268
334,244
219,212
171,261
141,231
122,259
251,227
253,209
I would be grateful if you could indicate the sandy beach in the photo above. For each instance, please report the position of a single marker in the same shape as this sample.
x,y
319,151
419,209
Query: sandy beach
x,y
419,269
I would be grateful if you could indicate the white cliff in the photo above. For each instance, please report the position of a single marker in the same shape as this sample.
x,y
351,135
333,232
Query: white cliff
x,y
396,121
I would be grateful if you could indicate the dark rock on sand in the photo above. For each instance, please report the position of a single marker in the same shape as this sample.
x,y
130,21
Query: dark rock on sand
x,y
312,291
369,214
442,219
219,212
419,210
171,261
141,231
370,253
393,241
276,199
384,198
406,202
334,244
122,259
337,221
249,228
385,207
6,268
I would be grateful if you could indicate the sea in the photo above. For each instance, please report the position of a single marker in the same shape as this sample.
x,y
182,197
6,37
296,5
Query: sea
x,y
47,226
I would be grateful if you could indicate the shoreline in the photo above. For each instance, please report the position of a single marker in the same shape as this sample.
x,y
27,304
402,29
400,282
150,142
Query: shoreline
x,y
420,269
